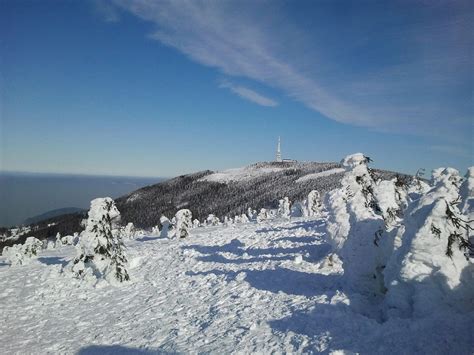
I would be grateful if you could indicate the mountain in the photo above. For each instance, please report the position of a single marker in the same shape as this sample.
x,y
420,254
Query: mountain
x,y
51,214
230,192
225,193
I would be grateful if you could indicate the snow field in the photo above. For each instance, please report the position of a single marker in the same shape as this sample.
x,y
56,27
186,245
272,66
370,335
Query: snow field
x,y
249,288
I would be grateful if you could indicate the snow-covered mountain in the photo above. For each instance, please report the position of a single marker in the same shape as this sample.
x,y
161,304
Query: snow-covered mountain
x,y
223,193
230,192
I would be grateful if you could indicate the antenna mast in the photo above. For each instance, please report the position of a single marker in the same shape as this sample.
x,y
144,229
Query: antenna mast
x,y
278,152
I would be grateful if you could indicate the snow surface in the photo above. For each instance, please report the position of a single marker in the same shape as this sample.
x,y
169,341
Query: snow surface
x,y
267,287
240,174
320,174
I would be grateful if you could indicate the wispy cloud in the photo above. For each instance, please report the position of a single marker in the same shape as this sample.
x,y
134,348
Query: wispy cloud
x,y
107,10
350,74
248,94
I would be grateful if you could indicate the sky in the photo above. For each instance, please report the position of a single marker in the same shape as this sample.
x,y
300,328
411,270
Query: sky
x,y
163,88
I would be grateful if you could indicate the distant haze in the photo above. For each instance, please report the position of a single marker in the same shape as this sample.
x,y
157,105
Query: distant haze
x,y
27,195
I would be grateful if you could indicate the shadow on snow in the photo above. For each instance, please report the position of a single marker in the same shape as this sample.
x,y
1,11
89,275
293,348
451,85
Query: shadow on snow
x,y
279,280
52,260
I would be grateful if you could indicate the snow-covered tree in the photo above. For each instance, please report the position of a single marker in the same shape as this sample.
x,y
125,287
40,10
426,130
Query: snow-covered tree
x,y
284,208
251,214
431,261
467,204
165,226
417,186
313,203
184,219
101,253
20,254
128,232
196,223
58,242
391,198
155,230
50,245
67,240
241,218
212,220
352,223
262,215
228,221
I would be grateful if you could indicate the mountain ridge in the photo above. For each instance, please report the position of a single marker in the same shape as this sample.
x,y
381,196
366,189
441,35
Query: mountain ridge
x,y
228,192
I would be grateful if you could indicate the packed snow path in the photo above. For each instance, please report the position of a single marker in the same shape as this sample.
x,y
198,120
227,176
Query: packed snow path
x,y
247,288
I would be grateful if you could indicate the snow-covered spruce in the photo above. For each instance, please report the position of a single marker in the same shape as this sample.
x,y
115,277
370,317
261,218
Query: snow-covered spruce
x,y
58,243
212,220
184,219
430,269
391,198
467,204
128,232
196,223
251,214
228,221
417,186
68,240
20,254
165,226
262,215
352,223
313,203
284,208
155,230
100,253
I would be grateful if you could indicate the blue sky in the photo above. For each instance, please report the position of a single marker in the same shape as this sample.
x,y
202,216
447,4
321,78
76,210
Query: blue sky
x,y
160,88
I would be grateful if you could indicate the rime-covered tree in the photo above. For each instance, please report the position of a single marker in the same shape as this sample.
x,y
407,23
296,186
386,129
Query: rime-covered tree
x,y
313,203
228,221
155,230
433,257
416,186
20,254
165,226
467,205
101,253
58,242
212,220
354,218
129,231
284,208
262,215
196,223
251,214
184,219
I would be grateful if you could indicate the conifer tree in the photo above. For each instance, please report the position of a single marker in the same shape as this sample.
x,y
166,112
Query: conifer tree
x,y
100,252
184,219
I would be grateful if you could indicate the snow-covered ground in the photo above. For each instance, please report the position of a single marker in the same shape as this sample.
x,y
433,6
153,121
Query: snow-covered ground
x,y
321,174
249,288
240,174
